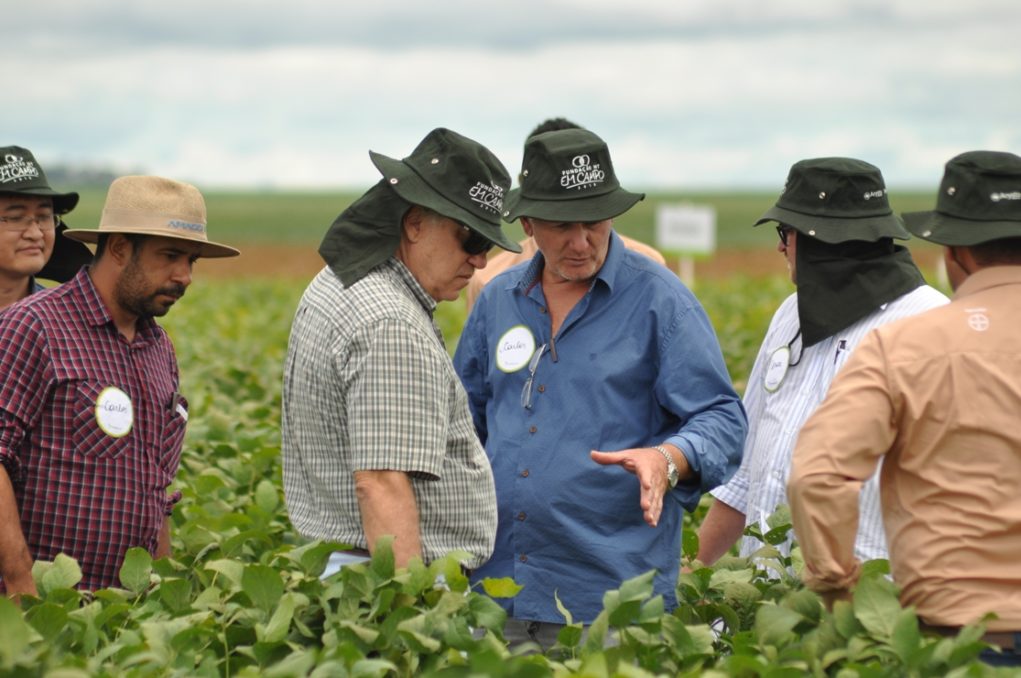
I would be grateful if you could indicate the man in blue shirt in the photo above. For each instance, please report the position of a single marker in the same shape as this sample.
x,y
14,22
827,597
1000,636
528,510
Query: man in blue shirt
x,y
586,348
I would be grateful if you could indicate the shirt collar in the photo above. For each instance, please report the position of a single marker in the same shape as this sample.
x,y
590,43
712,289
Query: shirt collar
x,y
95,311
397,267
607,274
991,276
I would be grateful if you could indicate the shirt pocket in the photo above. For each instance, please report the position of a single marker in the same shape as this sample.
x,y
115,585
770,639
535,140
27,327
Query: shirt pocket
x,y
88,436
174,427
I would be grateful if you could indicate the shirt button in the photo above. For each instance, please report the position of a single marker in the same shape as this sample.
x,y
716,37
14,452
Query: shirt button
x,y
524,474
542,388
532,429
542,309
521,516
523,558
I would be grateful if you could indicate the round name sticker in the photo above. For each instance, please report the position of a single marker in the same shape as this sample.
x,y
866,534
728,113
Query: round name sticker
x,y
514,349
779,361
114,413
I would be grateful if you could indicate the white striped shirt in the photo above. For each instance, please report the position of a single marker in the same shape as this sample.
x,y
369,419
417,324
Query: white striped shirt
x,y
776,415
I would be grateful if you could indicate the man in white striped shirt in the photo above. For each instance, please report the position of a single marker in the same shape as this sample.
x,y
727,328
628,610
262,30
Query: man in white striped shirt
x,y
836,232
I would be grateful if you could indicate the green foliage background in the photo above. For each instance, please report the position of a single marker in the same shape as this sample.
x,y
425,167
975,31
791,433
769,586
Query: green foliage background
x,y
241,595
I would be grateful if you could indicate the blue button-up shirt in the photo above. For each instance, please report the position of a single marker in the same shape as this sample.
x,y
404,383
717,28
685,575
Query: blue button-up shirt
x,y
635,363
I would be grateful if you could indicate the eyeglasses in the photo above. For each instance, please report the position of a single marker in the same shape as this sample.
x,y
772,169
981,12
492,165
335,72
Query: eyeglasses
x,y
475,243
46,223
526,392
783,230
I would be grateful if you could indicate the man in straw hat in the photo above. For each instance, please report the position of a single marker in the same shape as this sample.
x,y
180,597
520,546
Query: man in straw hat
x,y
91,421
30,228
837,235
376,437
590,346
936,397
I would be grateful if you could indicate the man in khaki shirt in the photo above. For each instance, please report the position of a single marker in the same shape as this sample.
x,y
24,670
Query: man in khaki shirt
x,y
937,398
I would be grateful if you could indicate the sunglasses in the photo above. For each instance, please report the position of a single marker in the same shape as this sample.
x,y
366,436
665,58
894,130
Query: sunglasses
x,y
783,230
475,243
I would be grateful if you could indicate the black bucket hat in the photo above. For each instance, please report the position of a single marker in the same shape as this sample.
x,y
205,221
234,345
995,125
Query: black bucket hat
x,y
567,175
835,200
20,173
456,177
979,200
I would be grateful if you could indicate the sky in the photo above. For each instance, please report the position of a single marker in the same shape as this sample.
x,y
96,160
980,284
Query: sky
x,y
688,94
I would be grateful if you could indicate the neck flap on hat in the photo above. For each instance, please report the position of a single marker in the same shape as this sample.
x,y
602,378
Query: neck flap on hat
x,y
365,234
839,284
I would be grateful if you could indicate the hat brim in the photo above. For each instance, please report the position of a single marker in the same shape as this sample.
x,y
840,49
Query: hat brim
x,y
207,249
588,208
835,230
67,258
406,183
944,229
62,202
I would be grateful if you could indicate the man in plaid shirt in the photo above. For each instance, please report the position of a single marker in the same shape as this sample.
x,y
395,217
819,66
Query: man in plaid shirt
x,y
91,420
377,438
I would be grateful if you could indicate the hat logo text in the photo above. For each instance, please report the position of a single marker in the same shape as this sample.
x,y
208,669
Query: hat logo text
x,y
582,174
487,196
1013,195
15,168
186,226
875,194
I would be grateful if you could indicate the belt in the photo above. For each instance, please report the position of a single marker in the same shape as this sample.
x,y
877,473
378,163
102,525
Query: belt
x,y
1005,640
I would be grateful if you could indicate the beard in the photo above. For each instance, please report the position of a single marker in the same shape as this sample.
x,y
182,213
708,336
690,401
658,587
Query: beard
x,y
135,295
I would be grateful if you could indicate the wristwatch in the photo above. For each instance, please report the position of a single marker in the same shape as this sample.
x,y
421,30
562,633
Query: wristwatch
x,y
671,467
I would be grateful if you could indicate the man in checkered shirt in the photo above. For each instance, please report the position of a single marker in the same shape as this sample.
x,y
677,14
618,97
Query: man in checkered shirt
x,y
91,420
377,438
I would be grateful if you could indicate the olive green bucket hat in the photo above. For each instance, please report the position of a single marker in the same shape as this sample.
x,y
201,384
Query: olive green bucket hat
x,y
979,200
456,177
836,200
567,175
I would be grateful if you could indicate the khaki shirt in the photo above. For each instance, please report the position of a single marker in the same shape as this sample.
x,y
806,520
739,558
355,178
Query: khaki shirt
x,y
939,396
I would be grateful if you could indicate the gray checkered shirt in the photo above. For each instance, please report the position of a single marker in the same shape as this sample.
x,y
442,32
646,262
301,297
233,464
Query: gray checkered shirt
x,y
368,385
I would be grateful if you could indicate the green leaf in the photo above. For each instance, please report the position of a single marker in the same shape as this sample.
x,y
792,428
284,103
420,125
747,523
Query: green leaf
x,y
689,543
504,587
486,613
266,496
280,623
383,561
906,637
135,570
231,570
62,573
14,630
637,588
876,606
774,625
562,609
262,585
48,619
175,594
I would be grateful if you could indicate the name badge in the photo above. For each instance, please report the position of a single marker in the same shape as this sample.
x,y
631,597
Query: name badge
x,y
114,412
514,349
779,361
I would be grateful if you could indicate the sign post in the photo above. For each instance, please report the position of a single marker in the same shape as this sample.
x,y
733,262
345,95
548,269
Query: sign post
x,y
688,230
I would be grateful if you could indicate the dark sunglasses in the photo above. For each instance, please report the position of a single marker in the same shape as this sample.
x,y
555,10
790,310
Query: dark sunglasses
x,y
783,230
475,243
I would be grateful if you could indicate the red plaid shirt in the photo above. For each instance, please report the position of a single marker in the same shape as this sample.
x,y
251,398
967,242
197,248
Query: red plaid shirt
x,y
81,490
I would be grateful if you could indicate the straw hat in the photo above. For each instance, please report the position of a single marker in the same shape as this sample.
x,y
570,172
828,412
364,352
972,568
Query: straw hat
x,y
148,205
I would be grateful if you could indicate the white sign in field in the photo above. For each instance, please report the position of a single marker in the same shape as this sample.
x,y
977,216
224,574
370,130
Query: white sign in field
x,y
690,229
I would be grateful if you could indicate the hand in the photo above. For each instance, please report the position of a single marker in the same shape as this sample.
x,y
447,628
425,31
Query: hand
x,y
650,468
19,586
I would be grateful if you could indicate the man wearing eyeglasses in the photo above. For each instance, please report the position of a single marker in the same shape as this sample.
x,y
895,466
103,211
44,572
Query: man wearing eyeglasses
x,y
836,233
29,221
598,387
377,438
